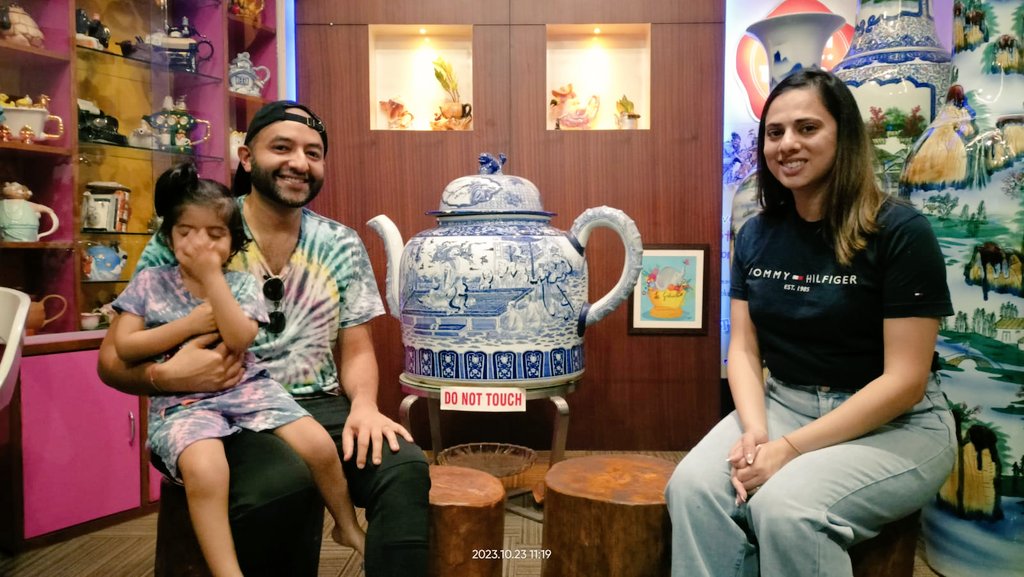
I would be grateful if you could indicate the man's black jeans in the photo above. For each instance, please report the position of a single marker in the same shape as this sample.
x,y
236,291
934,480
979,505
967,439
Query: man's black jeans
x,y
277,514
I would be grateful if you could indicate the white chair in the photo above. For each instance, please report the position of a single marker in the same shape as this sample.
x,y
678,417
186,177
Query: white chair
x,y
13,312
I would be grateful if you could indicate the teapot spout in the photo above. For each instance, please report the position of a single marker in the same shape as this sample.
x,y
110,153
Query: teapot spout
x,y
393,247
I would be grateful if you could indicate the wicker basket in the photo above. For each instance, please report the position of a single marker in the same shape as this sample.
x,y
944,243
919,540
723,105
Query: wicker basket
x,y
505,461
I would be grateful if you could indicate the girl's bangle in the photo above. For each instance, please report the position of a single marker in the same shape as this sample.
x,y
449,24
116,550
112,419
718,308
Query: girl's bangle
x,y
790,443
151,373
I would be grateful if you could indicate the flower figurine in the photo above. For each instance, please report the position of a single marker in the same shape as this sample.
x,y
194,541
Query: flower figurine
x,y
569,113
625,117
452,114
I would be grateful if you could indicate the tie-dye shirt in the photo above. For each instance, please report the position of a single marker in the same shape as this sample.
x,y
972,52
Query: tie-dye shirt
x,y
328,286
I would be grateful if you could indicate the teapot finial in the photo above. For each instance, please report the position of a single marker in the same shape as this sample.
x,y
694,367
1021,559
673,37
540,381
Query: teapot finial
x,y
490,165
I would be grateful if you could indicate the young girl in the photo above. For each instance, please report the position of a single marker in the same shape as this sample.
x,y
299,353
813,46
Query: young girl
x,y
163,307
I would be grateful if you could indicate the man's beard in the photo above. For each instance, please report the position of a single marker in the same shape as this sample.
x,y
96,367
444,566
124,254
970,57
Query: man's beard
x,y
263,182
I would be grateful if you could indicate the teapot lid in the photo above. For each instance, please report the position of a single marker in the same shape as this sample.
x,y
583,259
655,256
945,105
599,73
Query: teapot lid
x,y
490,192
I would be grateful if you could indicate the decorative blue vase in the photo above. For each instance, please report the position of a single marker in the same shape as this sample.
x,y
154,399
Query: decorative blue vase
x,y
899,73
966,174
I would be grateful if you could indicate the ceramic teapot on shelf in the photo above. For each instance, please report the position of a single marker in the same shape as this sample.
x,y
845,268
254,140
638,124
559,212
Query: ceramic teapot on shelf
x,y
19,218
18,27
494,294
173,124
244,78
27,119
37,318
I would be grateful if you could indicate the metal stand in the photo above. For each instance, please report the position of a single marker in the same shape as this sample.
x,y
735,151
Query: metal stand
x,y
556,393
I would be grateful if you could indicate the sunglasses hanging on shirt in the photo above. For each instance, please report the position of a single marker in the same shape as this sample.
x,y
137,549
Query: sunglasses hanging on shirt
x,y
273,291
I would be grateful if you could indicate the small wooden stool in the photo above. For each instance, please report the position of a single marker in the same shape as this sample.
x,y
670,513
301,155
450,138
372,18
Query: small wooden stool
x,y
891,553
467,522
606,515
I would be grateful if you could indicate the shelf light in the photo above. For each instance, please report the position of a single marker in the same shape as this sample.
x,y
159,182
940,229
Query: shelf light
x,y
423,31
597,30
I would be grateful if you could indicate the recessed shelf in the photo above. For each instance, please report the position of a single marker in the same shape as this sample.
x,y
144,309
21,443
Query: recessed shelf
x,y
603,63
402,70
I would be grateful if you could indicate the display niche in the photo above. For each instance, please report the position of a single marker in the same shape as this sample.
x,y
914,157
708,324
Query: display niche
x,y
421,77
598,76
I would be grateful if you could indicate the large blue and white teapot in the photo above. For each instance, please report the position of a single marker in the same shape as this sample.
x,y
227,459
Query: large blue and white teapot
x,y
494,295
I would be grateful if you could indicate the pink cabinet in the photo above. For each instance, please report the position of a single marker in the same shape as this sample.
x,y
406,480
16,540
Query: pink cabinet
x,y
80,444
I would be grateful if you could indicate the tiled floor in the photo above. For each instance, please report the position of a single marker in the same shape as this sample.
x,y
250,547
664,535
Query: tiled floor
x,y
126,550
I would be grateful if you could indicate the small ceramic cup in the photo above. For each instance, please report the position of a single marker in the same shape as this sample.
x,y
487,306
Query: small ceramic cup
x,y
90,321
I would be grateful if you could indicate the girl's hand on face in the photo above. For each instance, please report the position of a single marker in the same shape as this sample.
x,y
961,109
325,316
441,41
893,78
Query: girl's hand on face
x,y
197,255
201,320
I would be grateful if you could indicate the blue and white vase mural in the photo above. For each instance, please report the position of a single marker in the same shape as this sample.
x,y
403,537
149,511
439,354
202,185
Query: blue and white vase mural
x,y
899,72
494,295
966,174
794,41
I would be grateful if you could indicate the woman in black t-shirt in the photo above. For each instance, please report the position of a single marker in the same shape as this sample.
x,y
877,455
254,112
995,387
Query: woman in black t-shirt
x,y
836,291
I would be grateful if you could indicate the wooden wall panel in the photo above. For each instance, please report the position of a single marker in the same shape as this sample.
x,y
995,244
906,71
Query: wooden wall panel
x,y
402,11
619,12
639,392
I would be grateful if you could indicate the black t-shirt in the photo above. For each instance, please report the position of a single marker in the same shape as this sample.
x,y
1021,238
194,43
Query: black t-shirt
x,y
819,323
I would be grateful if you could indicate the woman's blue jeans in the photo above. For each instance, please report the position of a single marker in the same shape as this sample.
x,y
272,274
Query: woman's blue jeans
x,y
802,521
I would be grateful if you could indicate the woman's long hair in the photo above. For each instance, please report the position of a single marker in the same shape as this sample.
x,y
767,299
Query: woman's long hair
x,y
852,197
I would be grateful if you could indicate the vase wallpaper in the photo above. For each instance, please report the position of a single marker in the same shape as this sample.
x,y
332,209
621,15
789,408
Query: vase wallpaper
x,y
966,174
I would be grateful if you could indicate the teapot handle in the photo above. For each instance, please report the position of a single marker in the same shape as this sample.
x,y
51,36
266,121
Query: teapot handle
x,y
201,59
53,217
63,307
615,219
266,73
60,128
206,136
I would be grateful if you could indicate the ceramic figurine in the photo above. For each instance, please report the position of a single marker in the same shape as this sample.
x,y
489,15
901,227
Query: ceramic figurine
x,y
250,9
569,113
19,218
625,117
20,28
452,114
103,261
494,294
173,124
236,139
244,78
398,116
142,137
28,119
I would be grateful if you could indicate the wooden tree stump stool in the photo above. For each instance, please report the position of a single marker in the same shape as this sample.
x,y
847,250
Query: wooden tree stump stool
x,y
890,553
606,515
467,522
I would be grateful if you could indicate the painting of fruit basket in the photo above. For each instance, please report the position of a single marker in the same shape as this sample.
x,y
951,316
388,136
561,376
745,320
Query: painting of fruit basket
x,y
669,295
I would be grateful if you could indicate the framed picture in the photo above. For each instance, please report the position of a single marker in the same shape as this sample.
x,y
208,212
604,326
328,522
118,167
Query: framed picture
x,y
669,297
